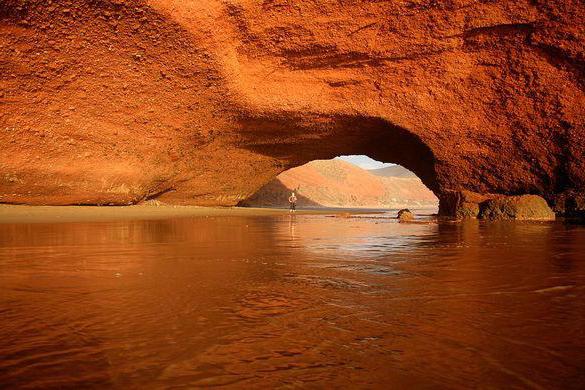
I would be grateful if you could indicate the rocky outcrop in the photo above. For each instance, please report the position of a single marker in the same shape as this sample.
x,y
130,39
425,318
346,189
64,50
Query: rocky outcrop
x,y
405,215
466,204
462,204
203,102
570,204
521,208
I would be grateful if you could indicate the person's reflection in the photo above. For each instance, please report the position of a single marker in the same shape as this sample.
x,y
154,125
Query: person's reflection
x,y
292,224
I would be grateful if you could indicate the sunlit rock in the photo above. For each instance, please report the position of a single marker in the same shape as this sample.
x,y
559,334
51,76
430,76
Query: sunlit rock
x,y
521,208
204,102
405,215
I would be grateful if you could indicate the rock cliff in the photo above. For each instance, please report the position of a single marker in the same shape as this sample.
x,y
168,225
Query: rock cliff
x,y
203,102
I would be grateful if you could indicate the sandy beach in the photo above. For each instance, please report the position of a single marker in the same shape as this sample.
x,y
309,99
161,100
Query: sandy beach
x,y
43,214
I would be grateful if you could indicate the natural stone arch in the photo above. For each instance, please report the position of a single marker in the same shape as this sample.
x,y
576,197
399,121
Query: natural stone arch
x,y
294,141
111,101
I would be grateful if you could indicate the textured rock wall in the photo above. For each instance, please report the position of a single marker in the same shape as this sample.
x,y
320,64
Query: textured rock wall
x,y
203,102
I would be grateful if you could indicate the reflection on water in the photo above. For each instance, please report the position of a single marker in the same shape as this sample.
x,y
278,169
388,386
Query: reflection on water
x,y
292,301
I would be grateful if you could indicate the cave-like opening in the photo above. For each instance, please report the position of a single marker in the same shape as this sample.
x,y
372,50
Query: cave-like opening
x,y
293,143
354,181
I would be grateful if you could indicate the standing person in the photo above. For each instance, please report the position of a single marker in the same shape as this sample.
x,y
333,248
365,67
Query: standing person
x,y
292,199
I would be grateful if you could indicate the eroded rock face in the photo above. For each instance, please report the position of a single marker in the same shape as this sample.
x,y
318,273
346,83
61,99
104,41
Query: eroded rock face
x,y
520,208
570,204
203,102
462,204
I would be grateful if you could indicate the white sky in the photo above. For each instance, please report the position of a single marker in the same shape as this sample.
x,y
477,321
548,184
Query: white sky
x,y
364,162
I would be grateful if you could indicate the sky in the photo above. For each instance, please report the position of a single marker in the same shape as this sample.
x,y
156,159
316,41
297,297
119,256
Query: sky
x,y
364,162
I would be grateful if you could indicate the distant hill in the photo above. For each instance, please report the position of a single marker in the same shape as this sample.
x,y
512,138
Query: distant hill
x,y
336,183
393,171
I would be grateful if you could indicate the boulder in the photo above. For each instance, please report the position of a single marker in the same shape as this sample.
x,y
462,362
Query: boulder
x,y
569,204
405,215
461,204
520,208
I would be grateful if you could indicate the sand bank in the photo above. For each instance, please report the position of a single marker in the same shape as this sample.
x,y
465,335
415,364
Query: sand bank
x,y
49,214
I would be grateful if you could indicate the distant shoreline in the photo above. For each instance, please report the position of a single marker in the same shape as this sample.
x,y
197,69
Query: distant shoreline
x,y
56,214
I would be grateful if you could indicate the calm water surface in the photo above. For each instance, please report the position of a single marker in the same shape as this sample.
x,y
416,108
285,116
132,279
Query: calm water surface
x,y
307,301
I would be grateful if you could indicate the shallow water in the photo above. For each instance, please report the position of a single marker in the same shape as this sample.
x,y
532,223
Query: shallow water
x,y
307,301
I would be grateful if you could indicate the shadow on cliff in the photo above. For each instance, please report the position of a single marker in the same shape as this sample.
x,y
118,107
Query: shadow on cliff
x,y
275,194
297,139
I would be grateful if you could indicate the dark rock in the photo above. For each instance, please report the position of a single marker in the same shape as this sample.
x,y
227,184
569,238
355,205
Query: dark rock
x,y
520,208
405,215
461,204
569,204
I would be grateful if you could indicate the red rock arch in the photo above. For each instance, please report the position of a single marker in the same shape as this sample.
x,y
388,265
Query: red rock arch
x,y
200,102
294,141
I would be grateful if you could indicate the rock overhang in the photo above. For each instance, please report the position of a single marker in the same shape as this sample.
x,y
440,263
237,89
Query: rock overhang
x,y
203,102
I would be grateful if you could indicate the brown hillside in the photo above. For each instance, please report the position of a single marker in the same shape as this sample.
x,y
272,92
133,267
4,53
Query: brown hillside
x,y
392,171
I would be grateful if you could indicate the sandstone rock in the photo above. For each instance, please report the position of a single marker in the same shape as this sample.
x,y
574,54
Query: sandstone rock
x,y
486,98
521,208
569,204
405,215
461,204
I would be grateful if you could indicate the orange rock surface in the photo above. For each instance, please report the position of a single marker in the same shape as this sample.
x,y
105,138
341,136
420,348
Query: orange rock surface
x,y
336,183
203,102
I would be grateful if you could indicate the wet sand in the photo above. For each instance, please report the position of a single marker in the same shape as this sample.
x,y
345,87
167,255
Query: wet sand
x,y
42,214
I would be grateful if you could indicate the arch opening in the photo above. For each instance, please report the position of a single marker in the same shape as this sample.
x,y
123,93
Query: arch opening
x,y
311,145
346,182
